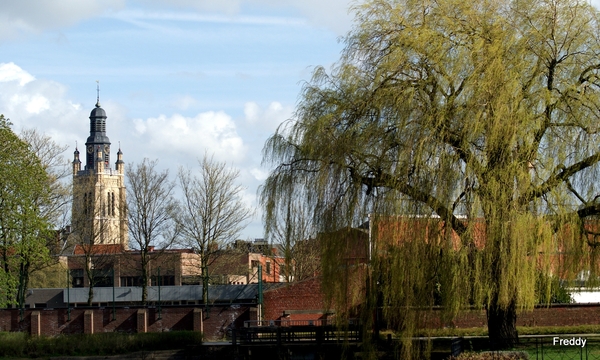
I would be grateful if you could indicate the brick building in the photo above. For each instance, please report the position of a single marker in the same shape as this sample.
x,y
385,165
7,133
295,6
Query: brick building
x,y
176,266
239,264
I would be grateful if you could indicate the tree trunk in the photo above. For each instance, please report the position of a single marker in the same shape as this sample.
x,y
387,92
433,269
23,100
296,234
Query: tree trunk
x,y
205,285
144,262
502,325
90,295
144,288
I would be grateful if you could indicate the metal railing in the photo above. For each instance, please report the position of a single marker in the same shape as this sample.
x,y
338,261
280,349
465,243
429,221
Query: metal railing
x,y
288,323
295,331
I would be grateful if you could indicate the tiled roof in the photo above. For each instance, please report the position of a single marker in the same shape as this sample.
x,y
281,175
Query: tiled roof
x,y
99,249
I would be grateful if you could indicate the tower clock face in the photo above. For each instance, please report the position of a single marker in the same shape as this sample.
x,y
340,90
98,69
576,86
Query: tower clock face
x,y
90,149
106,149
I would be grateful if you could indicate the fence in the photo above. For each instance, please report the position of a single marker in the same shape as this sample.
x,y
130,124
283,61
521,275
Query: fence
x,y
294,331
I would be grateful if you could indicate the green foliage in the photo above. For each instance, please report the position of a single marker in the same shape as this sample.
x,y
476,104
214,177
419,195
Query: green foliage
x,y
551,290
491,356
22,345
24,229
51,276
469,131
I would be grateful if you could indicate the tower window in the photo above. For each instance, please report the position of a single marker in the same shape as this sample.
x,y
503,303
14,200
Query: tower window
x,y
110,206
87,203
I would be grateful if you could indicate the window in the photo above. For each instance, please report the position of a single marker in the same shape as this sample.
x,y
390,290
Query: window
x,y
268,267
77,278
131,281
112,206
254,263
191,280
110,203
282,270
166,280
103,277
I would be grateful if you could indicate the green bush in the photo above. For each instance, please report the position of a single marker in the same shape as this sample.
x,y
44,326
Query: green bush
x,y
23,345
551,290
13,343
509,355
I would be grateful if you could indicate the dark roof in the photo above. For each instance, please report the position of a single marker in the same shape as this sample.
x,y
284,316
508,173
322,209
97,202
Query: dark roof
x,y
98,112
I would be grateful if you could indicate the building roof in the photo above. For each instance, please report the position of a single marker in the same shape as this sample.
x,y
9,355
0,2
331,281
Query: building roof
x,y
99,249
216,293
103,249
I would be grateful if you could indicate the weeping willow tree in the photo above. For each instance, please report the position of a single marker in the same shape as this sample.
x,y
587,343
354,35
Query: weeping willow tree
x,y
470,131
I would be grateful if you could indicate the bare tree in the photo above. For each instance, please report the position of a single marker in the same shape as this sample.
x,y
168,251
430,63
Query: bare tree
x,y
151,210
293,230
213,213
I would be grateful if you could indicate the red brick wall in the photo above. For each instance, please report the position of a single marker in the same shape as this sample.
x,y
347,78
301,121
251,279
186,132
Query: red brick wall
x,y
306,295
556,315
55,321
217,319
303,295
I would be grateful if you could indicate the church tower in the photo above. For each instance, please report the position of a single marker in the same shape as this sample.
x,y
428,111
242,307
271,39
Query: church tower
x,y
98,214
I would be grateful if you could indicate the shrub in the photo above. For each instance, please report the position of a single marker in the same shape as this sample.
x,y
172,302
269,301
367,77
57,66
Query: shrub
x,y
502,355
22,345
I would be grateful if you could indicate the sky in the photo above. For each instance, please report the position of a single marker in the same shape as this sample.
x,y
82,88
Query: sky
x,y
178,78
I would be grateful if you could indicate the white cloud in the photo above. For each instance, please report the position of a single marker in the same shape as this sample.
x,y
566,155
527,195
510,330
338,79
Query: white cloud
x,y
331,14
212,132
134,16
252,112
37,103
18,17
269,118
259,174
226,6
11,72
40,104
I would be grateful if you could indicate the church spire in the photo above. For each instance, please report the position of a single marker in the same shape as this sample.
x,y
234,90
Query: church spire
x,y
97,93
97,138
76,161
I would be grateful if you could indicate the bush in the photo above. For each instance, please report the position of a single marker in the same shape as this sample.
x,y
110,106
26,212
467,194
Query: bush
x,y
23,345
13,343
503,355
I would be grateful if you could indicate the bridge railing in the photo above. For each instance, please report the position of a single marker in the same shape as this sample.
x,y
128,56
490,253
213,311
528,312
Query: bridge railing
x,y
290,323
294,331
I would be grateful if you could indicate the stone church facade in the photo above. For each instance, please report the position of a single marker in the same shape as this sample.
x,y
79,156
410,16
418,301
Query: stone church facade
x,y
99,213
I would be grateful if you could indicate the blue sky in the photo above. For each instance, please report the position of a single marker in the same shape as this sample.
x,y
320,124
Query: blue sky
x,y
177,78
